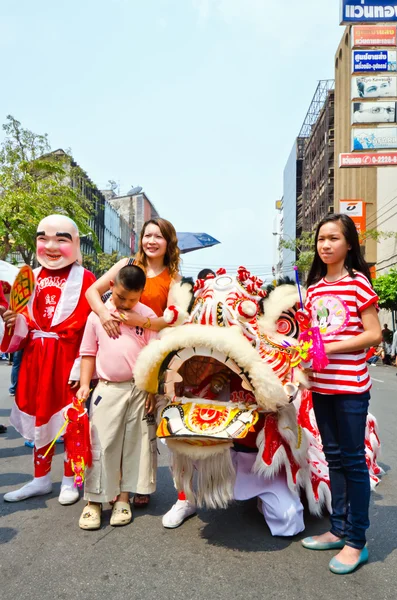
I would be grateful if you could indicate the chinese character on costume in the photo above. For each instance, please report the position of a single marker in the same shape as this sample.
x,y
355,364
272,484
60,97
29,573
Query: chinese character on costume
x,y
50,331
235,410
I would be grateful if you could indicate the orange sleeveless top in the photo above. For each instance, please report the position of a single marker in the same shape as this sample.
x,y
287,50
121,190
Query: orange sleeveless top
x,y
156,290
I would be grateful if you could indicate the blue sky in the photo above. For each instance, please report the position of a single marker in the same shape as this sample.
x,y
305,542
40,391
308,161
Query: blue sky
x,y
197,101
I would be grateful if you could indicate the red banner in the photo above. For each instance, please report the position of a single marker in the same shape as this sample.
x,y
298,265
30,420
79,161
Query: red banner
x,y
374,35
368,159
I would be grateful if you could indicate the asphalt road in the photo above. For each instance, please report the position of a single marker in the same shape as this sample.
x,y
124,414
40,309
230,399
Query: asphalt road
x,y
222,555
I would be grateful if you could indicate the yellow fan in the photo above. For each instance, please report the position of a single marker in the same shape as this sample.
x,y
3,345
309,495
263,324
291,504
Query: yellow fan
x,y
22,289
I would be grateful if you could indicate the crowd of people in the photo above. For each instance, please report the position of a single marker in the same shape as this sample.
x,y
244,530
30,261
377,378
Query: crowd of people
x,y
79,330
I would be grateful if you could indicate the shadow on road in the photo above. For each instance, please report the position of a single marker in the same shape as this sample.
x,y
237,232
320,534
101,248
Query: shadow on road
x,y
241,527
6,534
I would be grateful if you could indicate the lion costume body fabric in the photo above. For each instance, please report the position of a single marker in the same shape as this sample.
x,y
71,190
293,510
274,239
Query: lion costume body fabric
x,y
230,374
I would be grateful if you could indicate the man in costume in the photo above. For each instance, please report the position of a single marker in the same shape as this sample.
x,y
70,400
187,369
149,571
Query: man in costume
x,y
235,415
50,332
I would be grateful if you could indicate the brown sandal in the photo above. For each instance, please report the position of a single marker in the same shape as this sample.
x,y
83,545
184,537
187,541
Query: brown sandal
x,y
141,500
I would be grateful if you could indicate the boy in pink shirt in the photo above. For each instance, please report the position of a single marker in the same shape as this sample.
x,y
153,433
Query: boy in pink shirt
x,y
123,433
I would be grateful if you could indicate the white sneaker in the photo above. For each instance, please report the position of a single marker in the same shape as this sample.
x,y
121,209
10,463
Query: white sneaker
x,y
181,510
69,494
39,486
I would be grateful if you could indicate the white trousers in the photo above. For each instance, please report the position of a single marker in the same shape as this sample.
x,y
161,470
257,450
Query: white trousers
x,y
282,509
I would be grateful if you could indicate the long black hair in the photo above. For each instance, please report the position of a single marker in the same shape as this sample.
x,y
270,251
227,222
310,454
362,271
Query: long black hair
x,y
354,259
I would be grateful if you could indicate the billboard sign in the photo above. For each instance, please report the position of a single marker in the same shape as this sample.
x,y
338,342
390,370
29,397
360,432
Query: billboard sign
x,y
368,159
374,112
373,60
367,11
374,35
373,138
356,211
383,86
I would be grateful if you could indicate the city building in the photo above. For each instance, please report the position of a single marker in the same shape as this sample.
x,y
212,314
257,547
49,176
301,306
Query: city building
x,y
317,134
135,207
288,221
375,187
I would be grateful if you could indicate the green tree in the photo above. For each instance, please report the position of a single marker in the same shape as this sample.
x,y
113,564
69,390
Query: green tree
x,y
386,288
304,246
34,183
101,262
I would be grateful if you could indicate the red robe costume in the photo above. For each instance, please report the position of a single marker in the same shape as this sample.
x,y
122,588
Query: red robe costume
x,y
57,313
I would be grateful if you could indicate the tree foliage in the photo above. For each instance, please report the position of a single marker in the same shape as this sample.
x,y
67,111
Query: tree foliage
x,y
386,288
101,262
34,183
304,246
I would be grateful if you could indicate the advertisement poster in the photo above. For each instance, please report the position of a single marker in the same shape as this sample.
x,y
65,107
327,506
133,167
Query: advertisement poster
x,y
373,60
374,112
356,211
374,35
383,86
373,138
367,11
368,159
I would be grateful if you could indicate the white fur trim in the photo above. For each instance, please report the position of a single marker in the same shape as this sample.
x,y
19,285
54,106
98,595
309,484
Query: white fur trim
x,y
181,295
215,475
280,299
269,392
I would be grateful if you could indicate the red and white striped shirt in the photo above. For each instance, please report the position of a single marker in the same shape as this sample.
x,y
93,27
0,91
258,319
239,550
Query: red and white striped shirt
x,y
335,307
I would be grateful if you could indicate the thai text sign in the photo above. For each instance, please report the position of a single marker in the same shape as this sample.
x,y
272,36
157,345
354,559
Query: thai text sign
x,y
374,87
373,60
368,159
379,137
374,35
356,211
368,11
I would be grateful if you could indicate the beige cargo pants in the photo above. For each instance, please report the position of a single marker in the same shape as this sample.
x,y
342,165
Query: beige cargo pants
x,y
123,440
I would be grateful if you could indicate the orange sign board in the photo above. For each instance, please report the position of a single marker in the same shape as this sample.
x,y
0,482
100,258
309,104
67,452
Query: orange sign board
x,y
374,35
356,210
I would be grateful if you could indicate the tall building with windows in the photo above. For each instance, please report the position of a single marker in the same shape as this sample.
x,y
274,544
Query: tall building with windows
x,y
290,223
375,186
318,135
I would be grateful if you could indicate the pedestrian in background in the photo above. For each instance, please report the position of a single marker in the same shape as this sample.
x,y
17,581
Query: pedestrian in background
x,y
3,308
339,290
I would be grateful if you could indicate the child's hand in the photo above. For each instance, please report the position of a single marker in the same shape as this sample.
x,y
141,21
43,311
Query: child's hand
x,y
150,404
83,392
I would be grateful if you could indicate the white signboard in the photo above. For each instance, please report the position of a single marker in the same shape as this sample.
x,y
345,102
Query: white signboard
x,y
374,138
373,112
382,86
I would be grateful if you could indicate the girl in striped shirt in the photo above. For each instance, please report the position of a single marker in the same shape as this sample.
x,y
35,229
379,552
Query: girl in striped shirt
x,y
342,303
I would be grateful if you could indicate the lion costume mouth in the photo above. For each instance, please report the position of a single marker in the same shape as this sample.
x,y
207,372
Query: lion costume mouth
x,y
163,361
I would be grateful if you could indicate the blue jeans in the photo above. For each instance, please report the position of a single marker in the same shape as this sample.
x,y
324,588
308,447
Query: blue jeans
x,y
341,419
16,363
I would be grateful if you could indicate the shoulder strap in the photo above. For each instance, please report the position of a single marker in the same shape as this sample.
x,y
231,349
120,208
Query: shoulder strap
x,y
130,261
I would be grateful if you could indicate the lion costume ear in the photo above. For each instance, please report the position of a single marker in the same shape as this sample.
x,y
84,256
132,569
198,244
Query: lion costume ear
x,y
181,294
279,300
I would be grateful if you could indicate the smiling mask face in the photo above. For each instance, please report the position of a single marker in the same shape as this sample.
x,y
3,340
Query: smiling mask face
x,y
57,242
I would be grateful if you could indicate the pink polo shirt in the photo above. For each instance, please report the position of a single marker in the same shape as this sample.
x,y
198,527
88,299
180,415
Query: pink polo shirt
x,y
115,359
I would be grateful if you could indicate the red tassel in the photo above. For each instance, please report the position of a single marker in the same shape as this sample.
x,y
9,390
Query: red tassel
x,y
77,441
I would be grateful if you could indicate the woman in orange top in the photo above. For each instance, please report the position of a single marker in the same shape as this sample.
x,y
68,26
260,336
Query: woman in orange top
x,y
158,255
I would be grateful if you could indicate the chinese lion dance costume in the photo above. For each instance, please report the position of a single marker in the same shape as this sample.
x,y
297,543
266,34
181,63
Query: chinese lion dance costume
x,y
235,410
